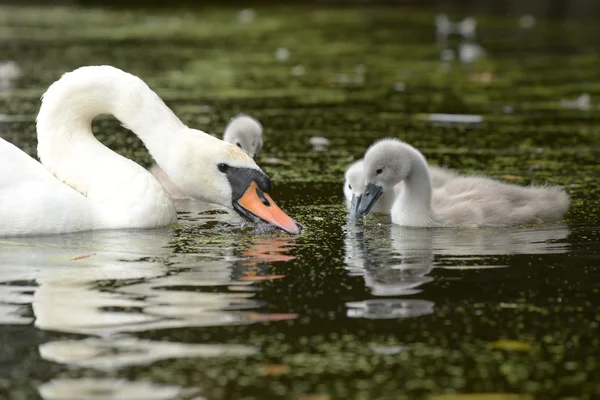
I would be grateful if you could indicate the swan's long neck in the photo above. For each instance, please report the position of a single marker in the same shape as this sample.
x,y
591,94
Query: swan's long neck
x,y
67,147
414,200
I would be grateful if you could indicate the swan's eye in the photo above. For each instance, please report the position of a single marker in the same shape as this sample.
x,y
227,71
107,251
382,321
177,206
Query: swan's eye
x,y
349,186
238,145
223,167
379,171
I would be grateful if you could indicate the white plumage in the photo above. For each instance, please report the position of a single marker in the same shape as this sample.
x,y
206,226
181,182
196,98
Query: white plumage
x,y
243,131
83,185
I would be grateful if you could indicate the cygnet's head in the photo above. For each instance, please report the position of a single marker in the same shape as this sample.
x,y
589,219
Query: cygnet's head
x,y
214,171
246,133
354,186
386,163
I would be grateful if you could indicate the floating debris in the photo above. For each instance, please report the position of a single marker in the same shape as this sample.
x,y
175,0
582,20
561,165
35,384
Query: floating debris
x,y
205,109
388,350
527,21
298,70
583,102
399,86
467,28
360,69
508,109
275,369
319,143
358,78
455,119
9,73
389,308
282,54
342,79
470,52
510,345
247,15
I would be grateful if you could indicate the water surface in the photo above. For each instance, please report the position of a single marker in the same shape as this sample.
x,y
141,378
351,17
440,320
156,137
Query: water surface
x,y
212,308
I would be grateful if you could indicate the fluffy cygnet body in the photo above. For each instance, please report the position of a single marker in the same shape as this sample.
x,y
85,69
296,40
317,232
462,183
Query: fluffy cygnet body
x,y
465,201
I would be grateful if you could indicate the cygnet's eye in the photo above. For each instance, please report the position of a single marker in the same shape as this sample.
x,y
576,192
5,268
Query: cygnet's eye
x,y
238,145
350,186
379,171
223,167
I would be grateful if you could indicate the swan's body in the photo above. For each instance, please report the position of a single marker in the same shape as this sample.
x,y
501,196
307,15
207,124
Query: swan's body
x,y
460,202
86,186
243,131
355,185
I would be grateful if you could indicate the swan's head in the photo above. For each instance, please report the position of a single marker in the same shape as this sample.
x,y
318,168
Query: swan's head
x,y
214,171
354,186
244,132
386,163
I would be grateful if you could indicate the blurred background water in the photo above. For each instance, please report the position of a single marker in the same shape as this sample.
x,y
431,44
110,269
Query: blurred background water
x,y
212,309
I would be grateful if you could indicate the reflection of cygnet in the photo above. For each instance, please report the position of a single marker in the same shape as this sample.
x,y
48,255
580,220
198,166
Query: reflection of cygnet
x,y
242,131
395,260
387,272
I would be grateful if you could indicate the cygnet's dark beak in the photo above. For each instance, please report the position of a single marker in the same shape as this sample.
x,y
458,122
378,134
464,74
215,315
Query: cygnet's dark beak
x,y
370,196
355,203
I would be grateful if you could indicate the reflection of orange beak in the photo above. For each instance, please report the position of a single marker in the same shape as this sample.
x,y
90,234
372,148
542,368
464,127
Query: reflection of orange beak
x,y
260,204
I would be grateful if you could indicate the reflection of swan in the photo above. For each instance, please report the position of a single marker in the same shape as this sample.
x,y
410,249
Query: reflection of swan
x,y
112,283
104,282
103,389
109,354
463,201
396,260
87,186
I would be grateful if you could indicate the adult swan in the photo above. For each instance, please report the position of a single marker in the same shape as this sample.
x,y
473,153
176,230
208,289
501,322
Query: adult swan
x,y
83,185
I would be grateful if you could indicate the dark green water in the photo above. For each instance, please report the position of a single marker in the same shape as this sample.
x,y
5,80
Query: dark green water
x,y
210,310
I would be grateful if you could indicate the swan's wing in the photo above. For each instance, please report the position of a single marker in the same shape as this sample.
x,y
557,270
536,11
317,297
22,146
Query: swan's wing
x,y
33,201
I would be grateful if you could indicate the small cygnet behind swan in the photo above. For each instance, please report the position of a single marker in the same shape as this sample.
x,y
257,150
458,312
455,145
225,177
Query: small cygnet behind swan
x,y
461,202
243,131
355,184
246,133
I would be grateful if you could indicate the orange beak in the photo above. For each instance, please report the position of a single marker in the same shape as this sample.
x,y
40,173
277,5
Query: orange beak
x,y
260,205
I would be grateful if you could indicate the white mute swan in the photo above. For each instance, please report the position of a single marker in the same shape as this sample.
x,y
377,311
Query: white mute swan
x,y
86,186
355,185
460,202
243,131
